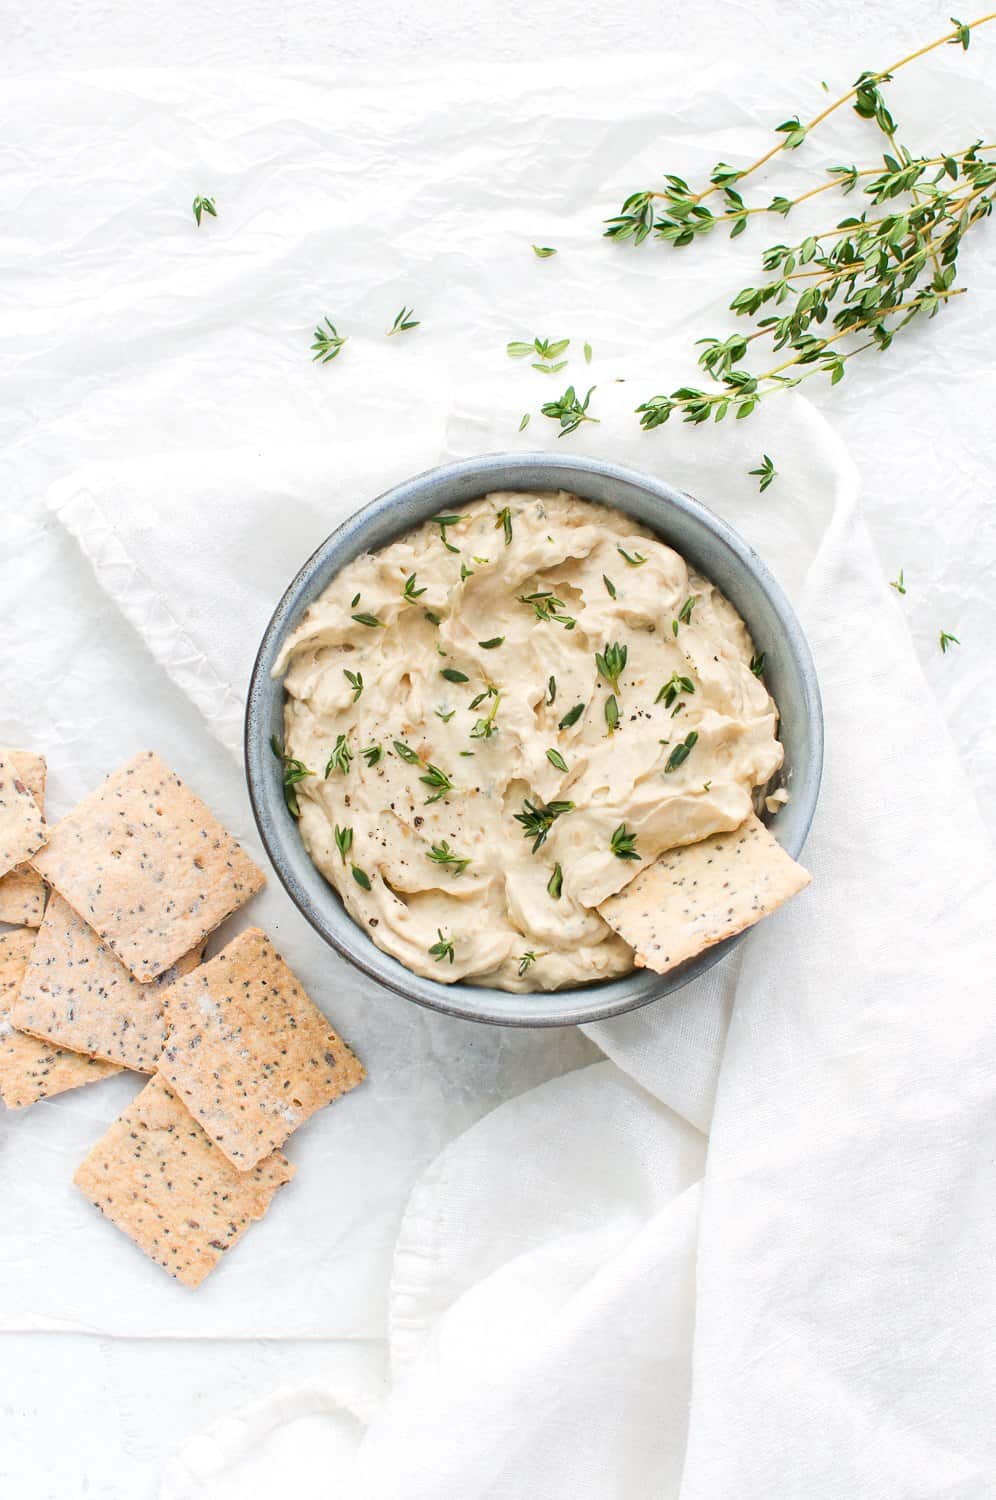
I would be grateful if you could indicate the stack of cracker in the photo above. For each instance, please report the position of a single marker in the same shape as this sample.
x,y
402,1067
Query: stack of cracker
x,y
139,875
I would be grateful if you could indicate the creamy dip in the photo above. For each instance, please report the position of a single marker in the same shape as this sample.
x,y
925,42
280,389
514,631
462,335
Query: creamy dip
x,y
506,716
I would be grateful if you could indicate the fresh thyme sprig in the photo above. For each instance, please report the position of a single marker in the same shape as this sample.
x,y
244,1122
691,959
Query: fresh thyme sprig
x,y
293,772
410,593
355,680
681,752
765,472
569,410
373,754
623,844
611,663
537,818
443,949
405,320
947,639
546,349
546,606
443,522
438,782
870,274
675,684
635,560
327,342
340,758
343,841
202,205
899,584
442,854
486,727
503,522
525,961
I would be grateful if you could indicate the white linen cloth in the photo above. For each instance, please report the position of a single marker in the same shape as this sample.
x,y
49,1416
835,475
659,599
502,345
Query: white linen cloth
x,y
575,1276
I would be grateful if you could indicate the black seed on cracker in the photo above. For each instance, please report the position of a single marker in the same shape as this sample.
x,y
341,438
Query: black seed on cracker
x,y
157,1176
249,1054
145,863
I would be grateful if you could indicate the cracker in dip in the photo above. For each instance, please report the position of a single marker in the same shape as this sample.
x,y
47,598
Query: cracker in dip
x,y
494,724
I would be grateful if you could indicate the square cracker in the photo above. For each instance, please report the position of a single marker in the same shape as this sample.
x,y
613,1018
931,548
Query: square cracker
x,y
76,994
31,1070
248,1053
146,864
22,890
22,827
157,1177
699,894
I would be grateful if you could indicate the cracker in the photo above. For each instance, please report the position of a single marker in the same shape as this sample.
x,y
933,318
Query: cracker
x,y
22,890
22,827
31,1070
695,896
76,994
144,862
248,1053
158,1177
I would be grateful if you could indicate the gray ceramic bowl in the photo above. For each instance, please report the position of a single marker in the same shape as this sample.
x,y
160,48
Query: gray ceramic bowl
x,y
702,538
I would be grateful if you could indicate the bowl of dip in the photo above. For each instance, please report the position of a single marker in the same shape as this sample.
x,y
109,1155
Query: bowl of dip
x,y
507,664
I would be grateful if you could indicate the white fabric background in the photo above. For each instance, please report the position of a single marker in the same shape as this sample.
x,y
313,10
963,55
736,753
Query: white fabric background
x,y
128,337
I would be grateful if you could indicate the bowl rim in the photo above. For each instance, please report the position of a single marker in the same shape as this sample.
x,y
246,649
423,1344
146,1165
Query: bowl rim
x,y
472,1004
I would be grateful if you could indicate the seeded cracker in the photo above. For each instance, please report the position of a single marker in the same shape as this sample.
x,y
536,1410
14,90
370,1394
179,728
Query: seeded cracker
x,y
695,896
248,1053
157,1177
31,1070
146,864
77,994
22,891
22,828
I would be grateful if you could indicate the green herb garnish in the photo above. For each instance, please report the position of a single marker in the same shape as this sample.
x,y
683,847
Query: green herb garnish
x,y
525,960
442,854
899,584
493,643
524,421
537,818
503,520
610,587
551,690
443,522
355,680
555,884
675,684
765,473
406,753
443,949
438,780
203,205
611,663
327,343
623,844
612,713
946,640
637,560
403,322
546,606
452,675
556,759
681,752
373,754
340,758
569,410
410,593
544,251
587,354
757,663
369,620
343,841
361,878
446,717
293,772
485,728
571,716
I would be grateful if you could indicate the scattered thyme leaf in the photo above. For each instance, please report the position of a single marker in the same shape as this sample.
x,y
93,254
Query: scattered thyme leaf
x,y
899,584
438,782
612,713
537,818
503,520
493,643
611,663
525,960
555,884
610,587
766,472
681,752
946,640
340,758
635,561
293,772
524,421
443,949
369,620
453,675
406,753
757,663
442,854
361,877
571,716
373,754
327,342
556,759
551,690
675,684
405,320
443,522
355,680
587,354
623,844
343,841
203,205
544,251
569,410
446,717
410,593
